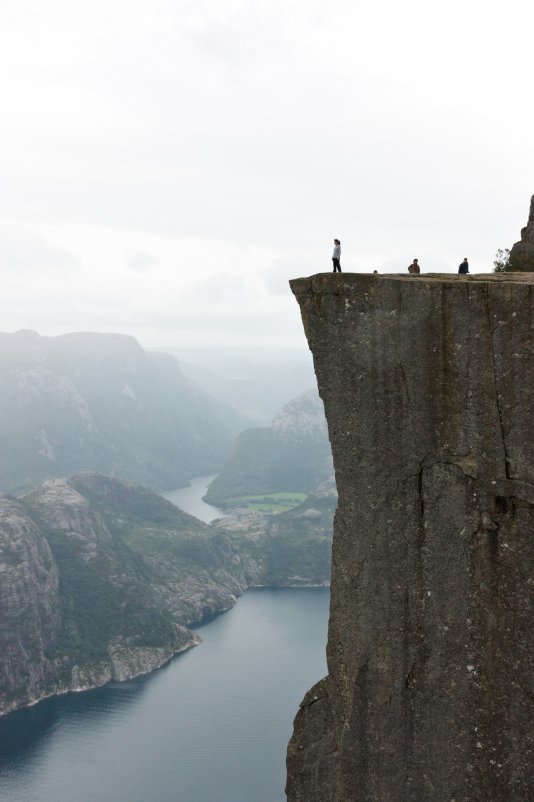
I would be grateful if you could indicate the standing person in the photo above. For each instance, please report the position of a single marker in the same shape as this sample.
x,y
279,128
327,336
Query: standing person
x,y
414,267
336,256
464,267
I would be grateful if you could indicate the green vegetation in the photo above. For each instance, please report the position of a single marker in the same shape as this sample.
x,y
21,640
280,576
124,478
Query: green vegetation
x,y
264,463
297,546
96,609
501,263
272,503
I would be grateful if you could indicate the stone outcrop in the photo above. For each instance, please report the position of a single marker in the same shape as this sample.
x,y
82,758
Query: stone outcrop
x,y
522,253
428,387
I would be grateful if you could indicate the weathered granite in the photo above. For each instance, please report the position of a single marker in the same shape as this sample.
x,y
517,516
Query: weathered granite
x,y
428,386
522,253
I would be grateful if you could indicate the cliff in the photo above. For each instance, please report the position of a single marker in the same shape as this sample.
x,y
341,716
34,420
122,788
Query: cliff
x,y
428,386
522,253
29,606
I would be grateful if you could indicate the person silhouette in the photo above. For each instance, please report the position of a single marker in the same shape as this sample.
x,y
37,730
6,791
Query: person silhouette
x,y
336,256
464,266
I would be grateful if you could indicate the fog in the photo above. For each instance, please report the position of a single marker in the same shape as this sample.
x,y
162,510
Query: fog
x,y
165,168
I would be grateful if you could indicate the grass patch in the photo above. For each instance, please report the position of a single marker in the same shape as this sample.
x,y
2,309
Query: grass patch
x,y
272,503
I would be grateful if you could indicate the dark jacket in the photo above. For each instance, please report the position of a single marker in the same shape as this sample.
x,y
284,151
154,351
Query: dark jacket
x,y
463,268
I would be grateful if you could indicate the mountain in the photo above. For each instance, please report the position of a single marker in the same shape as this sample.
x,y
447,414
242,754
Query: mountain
x,y
253,381
101,580
292,455
100,402
294,547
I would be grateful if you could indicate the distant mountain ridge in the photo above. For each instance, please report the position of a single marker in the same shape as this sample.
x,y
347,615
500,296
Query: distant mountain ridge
x,y
254,381
293,454
99,402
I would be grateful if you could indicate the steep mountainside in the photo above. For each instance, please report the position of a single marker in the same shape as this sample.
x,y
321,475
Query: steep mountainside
x,y
100,580
428,386
30,607
99,402
293,454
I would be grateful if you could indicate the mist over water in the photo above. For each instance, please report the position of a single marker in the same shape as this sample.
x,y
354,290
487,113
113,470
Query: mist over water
x,y
212,726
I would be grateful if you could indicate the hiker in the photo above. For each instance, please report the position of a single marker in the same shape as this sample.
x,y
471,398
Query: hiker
x,y
464,267
336,256
414,267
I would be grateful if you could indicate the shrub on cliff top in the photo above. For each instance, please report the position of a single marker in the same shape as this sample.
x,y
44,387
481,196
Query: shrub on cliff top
x,y
501,263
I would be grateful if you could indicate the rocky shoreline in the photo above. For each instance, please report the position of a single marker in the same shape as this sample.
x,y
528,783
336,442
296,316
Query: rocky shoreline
x,y
101,581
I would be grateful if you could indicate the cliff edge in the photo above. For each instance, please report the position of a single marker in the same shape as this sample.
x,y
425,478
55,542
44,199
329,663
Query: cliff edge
x,y
428,387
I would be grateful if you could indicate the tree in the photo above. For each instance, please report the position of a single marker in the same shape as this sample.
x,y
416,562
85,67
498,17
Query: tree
x,y
501,263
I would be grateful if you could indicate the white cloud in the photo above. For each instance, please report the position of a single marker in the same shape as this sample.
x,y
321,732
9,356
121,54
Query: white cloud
x,y
139,261
24,250
186,158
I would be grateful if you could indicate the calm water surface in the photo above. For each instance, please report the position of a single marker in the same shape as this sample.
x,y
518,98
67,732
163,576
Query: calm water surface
x,y
212,726
189,499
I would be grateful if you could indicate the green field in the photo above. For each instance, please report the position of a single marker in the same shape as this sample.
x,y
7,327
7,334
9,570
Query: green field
x,y
272,503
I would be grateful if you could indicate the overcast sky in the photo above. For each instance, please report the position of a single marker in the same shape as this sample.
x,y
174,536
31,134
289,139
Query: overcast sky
x,y
166,167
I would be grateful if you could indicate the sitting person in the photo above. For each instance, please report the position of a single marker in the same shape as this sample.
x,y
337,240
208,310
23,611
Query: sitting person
x,y
464,267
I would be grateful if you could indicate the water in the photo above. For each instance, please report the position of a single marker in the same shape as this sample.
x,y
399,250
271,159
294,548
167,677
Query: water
x,y
212,726
189,499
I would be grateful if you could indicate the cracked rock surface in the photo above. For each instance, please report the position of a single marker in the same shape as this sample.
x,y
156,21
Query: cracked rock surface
x,y
428,387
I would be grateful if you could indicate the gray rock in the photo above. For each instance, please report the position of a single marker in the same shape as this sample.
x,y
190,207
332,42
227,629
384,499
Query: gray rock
x,y
522,253
30,612
428,389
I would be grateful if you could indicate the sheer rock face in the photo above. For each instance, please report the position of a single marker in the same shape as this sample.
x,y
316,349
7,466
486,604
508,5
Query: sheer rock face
x,y
428,386
30,614
522,253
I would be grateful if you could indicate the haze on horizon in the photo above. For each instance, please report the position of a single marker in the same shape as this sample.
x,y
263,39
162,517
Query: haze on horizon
x,y
165,168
